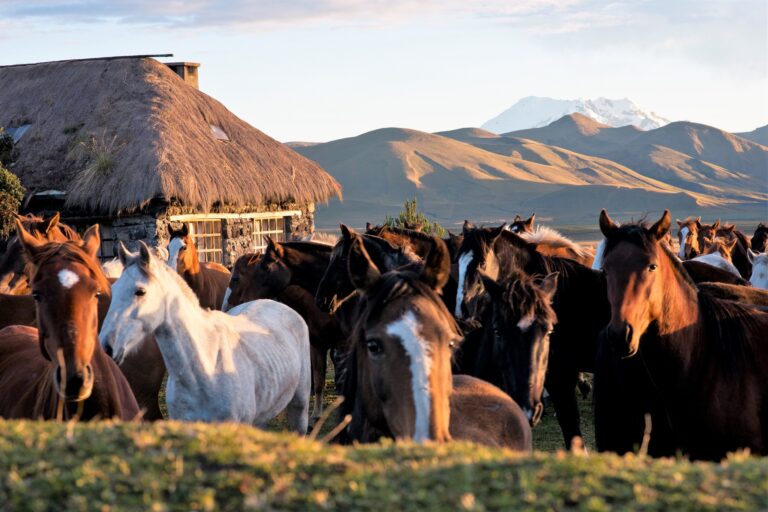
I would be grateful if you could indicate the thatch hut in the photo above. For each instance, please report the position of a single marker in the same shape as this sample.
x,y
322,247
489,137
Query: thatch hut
x,y
131,143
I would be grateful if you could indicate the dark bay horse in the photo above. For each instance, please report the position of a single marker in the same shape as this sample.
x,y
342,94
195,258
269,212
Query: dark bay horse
x,y
705,358
14,268
759,241
208,280
511,348
580,304
335,285
290,273
520,225
60,370
398,382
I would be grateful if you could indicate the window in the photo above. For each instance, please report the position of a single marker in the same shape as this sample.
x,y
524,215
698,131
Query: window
x,y
274,227
108,249
207,237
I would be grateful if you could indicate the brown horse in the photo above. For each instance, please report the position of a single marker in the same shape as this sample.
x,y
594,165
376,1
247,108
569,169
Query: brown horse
x,y
720,246
707,359
208,280
14,270
60,369
398,381
290,273
688,237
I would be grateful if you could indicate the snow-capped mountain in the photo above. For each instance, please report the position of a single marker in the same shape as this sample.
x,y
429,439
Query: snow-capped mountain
x,y
535,111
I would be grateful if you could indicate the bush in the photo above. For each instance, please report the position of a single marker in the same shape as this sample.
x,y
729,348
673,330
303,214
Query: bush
x,y
11,194
412,218
6,148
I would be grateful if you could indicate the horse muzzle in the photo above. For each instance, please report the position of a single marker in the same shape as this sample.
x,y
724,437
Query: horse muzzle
x,y
77,386
622,335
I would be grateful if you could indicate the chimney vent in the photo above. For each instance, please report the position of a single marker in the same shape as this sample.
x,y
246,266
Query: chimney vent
x,y
187,71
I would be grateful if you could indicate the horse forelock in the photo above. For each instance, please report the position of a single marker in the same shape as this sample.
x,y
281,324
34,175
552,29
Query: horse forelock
x,y
72,252
525,298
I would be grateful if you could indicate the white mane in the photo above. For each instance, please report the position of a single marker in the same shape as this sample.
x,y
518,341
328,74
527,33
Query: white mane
x,y
549,236
759,278
112,268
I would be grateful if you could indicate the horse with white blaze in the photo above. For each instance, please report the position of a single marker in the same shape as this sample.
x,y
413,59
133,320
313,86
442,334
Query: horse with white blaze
x,y
247,365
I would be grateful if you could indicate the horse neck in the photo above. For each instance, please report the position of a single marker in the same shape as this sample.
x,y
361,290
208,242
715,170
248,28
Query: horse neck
x,y
307,269
678,324
186,337
510,257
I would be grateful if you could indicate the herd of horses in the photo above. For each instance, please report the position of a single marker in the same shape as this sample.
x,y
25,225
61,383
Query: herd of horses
x,y
431,339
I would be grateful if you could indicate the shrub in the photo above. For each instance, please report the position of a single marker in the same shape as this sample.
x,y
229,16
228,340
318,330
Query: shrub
x,y
412,218
11,194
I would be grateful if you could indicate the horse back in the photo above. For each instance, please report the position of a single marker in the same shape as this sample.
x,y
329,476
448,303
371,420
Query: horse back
x,y
214,280
17,310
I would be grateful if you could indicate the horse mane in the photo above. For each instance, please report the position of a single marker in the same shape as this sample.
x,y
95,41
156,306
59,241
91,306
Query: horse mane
x,y
30,221
553,238
524,296
308,246
729,329
411,233
180,282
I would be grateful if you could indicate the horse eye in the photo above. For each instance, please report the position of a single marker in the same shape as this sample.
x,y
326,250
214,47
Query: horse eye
x,y
374,346
97,294
652,267
36,296
140,292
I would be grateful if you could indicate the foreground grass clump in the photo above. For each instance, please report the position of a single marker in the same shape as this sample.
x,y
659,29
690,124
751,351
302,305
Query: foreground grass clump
x,y
175,466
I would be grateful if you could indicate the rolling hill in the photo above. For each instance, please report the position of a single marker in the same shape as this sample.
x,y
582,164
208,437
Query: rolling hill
x,y
759,135
472,173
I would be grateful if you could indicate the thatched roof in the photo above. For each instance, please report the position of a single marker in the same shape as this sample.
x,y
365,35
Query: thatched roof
x,y
118,133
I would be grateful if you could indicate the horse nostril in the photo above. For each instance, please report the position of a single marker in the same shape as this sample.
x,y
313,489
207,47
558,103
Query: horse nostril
x,y
628,334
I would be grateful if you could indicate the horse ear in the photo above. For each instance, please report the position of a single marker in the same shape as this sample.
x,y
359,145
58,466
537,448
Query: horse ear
x,y
184,231
437,265
728,229
661,227
517,218
362,271
467,227
124,254
494,289
274,247
679,224
698,223
548,285
730,245
346,231
607,226
92,241
31,244
751,255
529,223
44,226
146,260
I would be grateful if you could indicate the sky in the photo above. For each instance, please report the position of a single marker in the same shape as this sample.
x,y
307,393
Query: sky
x,y
326,69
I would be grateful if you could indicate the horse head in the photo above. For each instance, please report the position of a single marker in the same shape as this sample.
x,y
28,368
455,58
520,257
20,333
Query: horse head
x,y
66,283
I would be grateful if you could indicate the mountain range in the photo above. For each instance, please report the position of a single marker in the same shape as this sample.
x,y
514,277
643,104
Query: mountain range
x,y
536,111
567,171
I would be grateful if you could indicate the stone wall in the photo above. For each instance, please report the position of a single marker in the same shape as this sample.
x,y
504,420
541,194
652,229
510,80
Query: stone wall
x,y
237,234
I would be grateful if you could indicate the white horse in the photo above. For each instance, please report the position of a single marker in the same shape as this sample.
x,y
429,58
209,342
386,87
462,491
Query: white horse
x,y
245,366
759,277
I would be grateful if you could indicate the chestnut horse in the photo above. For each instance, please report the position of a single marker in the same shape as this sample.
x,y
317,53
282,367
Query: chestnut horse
x,y
60,370
208,280
290,273
14,271
398,382
706,358
688,237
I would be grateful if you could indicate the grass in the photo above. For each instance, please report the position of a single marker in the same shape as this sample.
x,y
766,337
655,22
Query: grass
x,y
178,466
